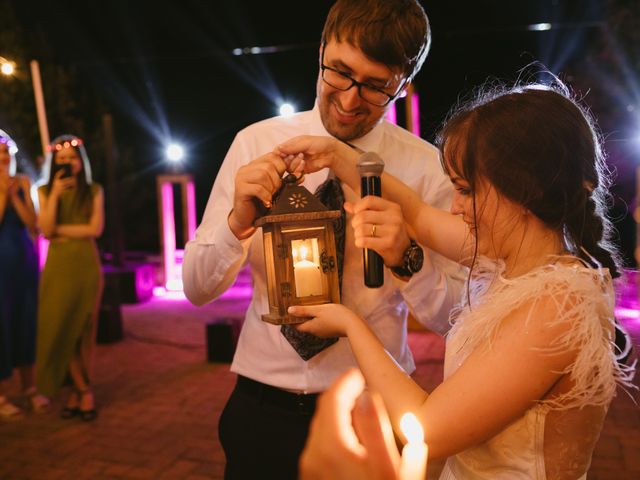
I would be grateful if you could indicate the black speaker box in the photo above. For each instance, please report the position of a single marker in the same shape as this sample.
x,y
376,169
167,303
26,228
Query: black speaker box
x,y
109,323
222,338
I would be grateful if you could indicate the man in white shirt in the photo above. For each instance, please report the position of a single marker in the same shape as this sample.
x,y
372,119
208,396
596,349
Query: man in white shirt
x,y
370,52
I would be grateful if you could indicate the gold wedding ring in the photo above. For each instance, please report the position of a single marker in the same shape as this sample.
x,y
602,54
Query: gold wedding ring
x,y
373,230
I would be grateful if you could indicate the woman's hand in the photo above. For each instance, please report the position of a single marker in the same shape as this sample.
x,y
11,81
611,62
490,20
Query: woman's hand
x,y
350,436
20,182
328,320
5,182
60,184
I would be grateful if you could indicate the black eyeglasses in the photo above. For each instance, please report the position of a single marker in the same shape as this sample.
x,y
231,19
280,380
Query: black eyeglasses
x,y
343,81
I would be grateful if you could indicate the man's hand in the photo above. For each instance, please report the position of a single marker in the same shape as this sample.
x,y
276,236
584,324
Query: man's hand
x,y
256,181
378,224
317,152
309,154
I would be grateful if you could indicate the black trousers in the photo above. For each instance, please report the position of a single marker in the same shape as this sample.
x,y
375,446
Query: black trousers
x,y
263,430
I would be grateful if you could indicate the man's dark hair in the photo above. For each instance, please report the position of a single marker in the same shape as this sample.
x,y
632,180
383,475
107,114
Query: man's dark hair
x,y
393,32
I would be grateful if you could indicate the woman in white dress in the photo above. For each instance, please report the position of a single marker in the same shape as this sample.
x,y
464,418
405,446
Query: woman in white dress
x,y
530,365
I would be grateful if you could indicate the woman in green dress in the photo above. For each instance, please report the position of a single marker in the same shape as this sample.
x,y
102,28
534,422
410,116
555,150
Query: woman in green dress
x,y
72,217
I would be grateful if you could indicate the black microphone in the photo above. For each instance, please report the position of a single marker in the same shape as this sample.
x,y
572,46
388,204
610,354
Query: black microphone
x,y
370,166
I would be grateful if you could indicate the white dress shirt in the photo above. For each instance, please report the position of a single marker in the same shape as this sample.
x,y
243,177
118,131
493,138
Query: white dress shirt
x,y
212,260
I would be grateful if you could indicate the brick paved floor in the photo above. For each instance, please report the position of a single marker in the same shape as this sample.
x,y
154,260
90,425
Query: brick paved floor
x,y
159,402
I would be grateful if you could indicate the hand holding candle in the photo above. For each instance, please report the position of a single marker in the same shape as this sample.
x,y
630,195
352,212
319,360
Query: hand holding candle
x,y
413,465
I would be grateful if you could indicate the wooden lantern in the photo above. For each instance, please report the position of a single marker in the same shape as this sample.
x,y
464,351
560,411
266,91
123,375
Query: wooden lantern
x,y
299,252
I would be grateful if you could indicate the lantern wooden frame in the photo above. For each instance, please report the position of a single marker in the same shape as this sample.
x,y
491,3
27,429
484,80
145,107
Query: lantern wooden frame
x,y
298,216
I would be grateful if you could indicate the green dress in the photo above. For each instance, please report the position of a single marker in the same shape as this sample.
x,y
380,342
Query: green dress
x,y
70,291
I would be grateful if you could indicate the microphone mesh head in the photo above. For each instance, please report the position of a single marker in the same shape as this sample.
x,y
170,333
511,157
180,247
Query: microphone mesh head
x,y
370,165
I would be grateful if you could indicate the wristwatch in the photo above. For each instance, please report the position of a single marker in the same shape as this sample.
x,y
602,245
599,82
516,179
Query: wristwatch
x,y
413,259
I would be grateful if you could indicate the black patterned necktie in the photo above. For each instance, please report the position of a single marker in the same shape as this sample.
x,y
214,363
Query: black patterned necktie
x,y
331,195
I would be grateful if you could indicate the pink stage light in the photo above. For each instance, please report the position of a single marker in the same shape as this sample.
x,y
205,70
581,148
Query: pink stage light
x,y
165,294
171,254
391,114
238,292
171,269
415,114
627,313
191,211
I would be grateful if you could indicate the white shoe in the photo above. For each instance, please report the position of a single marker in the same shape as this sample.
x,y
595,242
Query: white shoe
x,y
8,410
36,402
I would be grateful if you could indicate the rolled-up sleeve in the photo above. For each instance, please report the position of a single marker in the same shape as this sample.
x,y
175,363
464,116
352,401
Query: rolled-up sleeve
x,y
213,259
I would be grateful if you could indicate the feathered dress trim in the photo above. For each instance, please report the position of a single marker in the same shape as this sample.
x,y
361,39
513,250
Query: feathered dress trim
x,y
580,293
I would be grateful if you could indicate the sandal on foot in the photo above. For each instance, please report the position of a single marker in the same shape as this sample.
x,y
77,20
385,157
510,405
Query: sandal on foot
x,y
71,409
38,403
89,414
8,410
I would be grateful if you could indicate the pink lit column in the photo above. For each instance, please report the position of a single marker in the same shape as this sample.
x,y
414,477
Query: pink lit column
x,y
171,254
415,114
412,110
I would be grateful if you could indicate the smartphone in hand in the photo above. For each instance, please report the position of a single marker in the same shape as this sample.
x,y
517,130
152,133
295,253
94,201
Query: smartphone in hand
x,y
66,169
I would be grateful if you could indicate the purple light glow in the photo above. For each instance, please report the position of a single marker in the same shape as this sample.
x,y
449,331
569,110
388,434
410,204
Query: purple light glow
x,y
171,270
191,211
238,292
391,114
415,114
163,293
172,256
42,244
144,281
627,313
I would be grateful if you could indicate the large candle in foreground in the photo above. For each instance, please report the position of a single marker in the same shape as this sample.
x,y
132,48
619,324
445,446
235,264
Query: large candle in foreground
x,y
307,275
413,465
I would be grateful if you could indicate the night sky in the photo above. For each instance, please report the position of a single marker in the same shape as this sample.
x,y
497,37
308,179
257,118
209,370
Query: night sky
x,y
164,69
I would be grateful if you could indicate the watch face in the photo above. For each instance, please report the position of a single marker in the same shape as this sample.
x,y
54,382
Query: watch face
x,y
415,258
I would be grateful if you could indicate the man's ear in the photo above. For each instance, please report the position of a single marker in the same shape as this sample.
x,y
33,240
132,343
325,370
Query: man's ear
x,y
323,44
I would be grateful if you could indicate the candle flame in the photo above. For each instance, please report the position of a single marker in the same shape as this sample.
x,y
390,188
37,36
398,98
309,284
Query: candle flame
x,y
411,428
303,252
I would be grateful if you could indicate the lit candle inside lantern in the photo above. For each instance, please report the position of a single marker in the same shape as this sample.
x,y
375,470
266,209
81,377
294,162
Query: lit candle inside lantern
x,y
307,275
413,465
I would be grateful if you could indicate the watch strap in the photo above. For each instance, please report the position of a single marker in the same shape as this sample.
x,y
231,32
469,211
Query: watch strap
x,y
405,269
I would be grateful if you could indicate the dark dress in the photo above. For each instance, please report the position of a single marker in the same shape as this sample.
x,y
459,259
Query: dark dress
x,y
18,294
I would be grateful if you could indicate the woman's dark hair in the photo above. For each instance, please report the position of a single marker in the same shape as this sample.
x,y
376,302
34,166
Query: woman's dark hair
x,y
12,148
84,175
538,147
393,32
